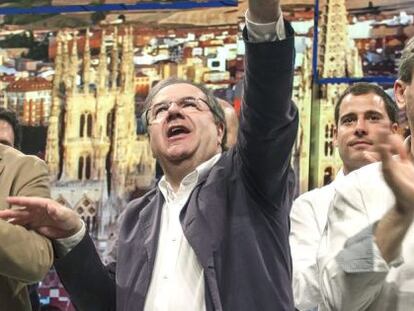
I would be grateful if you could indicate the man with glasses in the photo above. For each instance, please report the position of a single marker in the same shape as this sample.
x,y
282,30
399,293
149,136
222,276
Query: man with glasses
x,y
214,233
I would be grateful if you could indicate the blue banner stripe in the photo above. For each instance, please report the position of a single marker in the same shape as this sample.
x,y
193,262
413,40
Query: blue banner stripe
x,y
48,9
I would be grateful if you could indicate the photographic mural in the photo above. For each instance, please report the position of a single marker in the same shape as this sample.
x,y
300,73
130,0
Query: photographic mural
x,y
78,81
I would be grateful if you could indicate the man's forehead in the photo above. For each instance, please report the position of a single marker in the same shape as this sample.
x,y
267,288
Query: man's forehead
x,y
176,91
362,103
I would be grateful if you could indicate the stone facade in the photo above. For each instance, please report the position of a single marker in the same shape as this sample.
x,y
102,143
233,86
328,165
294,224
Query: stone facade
x,y
92,146
317,159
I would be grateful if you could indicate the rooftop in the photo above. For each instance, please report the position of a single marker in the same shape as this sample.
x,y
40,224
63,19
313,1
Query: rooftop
x,y
29,84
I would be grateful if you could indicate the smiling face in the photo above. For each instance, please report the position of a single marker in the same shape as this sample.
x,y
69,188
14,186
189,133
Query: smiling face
x,y
182,135
360,119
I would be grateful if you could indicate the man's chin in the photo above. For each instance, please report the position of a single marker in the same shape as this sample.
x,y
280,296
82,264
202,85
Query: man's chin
x,y
176,156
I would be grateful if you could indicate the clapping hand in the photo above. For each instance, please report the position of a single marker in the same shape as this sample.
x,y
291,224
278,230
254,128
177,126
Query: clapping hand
x,y
398,170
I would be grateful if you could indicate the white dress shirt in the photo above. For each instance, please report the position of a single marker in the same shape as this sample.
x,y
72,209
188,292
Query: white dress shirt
x,y
308,219
177,281
353,275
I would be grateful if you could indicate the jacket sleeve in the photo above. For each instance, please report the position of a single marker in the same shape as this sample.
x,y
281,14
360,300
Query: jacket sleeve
x,y
269,119
25,255
352,273
82,265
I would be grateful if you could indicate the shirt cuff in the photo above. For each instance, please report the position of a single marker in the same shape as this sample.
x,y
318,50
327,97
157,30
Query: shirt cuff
x,y
65,245
266,32
361,254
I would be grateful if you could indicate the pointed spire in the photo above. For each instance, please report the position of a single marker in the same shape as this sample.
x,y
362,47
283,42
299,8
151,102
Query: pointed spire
x,y
102,67
114,60
86,63
65,59
334,39
127,57
74,62
57,79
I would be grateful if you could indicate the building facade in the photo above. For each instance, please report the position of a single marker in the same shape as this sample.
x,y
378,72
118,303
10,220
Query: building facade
x,y
94,155
31,99
318,161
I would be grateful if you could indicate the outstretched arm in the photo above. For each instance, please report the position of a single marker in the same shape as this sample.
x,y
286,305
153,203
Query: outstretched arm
x,y
90,284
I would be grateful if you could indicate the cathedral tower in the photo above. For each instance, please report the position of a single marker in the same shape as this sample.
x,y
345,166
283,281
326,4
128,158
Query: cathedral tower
x,y
338,57
92,145
317,161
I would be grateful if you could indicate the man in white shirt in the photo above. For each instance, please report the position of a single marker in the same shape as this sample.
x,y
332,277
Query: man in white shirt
x,y
369,262
214,233
361,111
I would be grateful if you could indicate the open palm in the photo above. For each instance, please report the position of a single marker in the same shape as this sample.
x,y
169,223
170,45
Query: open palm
x,y
45,216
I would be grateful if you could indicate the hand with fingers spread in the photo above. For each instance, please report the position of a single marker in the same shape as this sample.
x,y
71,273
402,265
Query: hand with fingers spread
x,y
399,174
398,171
45,216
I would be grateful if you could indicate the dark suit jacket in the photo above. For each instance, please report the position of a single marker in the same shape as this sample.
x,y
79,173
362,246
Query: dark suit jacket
x,y
236,219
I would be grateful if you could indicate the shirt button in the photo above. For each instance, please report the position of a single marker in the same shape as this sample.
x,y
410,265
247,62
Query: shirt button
x,y
165,277
173,239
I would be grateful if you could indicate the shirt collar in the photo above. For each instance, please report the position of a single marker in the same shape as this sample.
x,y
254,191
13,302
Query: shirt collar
x,y
190,179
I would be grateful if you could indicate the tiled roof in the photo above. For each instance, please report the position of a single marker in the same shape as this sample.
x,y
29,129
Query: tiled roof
x,y
30,84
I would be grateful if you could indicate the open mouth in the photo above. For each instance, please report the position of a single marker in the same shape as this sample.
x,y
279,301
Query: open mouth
x,y
177,130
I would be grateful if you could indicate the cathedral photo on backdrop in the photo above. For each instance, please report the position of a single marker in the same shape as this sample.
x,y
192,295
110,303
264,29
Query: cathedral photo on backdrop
x,y
78,82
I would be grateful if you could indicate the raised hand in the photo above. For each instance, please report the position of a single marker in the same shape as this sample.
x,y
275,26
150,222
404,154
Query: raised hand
x,y
264,11
398,171
45,216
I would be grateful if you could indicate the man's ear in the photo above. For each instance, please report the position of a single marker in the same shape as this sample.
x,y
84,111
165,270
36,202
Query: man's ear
x,y
394,127
399,93
220,133
335,136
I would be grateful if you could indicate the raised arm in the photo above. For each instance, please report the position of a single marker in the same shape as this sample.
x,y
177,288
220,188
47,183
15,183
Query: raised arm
x,y
268,122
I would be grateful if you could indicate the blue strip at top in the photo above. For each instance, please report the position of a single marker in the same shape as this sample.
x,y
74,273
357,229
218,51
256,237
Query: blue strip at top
x,y
171,5
371,79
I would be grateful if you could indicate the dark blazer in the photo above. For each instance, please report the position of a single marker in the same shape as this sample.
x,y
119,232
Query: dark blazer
x,y
236,219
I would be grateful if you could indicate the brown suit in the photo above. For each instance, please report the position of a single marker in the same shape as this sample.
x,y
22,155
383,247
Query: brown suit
x,y
25,256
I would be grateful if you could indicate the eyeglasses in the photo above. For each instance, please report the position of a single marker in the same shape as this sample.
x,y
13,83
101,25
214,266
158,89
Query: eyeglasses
x,y
159,111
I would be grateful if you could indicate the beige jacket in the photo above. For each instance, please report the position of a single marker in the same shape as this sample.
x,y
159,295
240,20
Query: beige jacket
x,y
25,256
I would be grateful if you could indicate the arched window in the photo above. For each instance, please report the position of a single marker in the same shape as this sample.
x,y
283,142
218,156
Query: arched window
x,y
89,125
87,211
109,120
88,168
80,168
327,175
82,125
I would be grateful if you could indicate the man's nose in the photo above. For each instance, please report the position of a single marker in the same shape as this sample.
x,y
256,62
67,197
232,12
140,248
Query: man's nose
x,y
361,128
174,110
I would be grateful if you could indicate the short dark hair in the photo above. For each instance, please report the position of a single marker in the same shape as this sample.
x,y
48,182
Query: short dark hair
x,y
363,88
212,102
10,117
406,66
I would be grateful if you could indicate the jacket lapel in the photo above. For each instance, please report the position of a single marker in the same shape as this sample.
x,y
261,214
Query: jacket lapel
x,y
203,223
151,218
